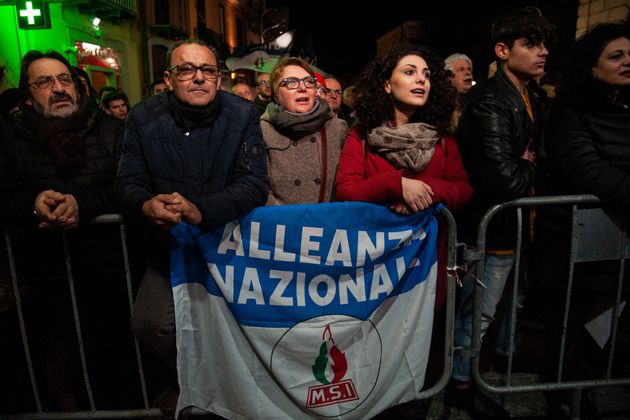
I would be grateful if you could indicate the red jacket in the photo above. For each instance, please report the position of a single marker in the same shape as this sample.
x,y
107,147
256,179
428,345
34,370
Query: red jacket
x,y
364,175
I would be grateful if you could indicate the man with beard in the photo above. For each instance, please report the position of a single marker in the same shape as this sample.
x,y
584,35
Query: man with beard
x,y
58,158
58,161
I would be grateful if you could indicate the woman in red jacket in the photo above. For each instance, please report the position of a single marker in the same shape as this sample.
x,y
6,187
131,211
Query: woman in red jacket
x,y
398,154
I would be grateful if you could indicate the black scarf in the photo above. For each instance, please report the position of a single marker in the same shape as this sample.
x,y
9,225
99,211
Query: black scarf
x,y
64,138
190,117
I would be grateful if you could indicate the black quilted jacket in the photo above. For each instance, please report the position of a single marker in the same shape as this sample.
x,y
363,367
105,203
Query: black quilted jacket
x,y
26,169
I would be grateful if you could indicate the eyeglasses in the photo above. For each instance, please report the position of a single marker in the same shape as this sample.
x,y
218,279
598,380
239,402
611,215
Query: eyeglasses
x,y
46,82
264,83
337,91
186,72
292,83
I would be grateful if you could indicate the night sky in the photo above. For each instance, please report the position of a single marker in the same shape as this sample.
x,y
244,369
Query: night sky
x,y
342,34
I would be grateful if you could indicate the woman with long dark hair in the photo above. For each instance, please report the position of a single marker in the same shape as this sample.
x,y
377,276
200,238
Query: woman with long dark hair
x,y
398,153
588,146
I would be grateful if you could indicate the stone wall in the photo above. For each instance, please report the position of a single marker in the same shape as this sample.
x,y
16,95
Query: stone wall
x,y
592,12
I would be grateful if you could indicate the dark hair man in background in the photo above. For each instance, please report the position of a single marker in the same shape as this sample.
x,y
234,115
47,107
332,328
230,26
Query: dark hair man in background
x,y
116,104
498,135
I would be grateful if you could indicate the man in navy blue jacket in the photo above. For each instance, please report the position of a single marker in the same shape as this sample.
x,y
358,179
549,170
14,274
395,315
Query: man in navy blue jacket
x,y
193,154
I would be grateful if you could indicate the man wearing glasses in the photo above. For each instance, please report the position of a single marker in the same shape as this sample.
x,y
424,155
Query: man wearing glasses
x,y
55,152
194,154
334,94
57,168
264,92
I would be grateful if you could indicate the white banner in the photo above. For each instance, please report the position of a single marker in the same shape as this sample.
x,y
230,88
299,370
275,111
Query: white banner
x,y
304,311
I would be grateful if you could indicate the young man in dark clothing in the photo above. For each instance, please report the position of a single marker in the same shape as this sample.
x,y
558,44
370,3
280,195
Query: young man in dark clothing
x,y
498,136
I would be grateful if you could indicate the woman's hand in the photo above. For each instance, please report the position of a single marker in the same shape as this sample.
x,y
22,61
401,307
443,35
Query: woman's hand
x,y
416,194
401,208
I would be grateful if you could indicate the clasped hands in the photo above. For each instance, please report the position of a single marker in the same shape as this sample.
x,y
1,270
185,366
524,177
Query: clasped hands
x,y
417,196
167,210
56,210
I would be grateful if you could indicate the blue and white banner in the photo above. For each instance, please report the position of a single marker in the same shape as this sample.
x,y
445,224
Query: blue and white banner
x,y
304,311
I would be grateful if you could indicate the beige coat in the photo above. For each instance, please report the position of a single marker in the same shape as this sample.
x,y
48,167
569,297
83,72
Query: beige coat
x,y
296,167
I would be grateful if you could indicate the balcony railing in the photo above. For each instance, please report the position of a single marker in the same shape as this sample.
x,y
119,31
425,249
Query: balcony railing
x,y
127,5
107,8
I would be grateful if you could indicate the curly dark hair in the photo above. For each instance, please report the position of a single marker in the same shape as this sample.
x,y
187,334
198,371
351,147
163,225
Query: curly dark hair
x,y
375,106
578,85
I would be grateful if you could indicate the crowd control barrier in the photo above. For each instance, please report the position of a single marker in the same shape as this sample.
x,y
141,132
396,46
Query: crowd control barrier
x,y
39,411
596,235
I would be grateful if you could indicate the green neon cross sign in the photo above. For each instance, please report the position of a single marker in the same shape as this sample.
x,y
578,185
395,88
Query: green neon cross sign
x,y
33,14
30,13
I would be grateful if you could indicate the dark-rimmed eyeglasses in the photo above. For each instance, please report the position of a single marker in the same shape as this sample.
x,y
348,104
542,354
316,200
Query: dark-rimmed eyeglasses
x,y
337,91
185,72
264,83
46,82
293,82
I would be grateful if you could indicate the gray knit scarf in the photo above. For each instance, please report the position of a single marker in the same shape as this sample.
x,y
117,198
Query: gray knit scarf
x,y
410,146
297,125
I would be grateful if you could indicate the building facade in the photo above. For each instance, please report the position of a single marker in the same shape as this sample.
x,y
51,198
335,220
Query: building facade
x,y
126,47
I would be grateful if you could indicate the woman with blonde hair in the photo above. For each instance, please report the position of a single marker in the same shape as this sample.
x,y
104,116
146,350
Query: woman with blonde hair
x,y
302,135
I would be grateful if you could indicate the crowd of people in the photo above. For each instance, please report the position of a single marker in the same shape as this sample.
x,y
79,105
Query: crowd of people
x,y
411,132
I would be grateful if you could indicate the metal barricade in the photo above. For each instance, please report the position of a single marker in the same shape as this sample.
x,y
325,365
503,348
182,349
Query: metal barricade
x,y
145,412
94,412
607,240
449,321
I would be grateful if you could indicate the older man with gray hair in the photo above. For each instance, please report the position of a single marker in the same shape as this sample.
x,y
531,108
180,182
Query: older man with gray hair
x,y
460,66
